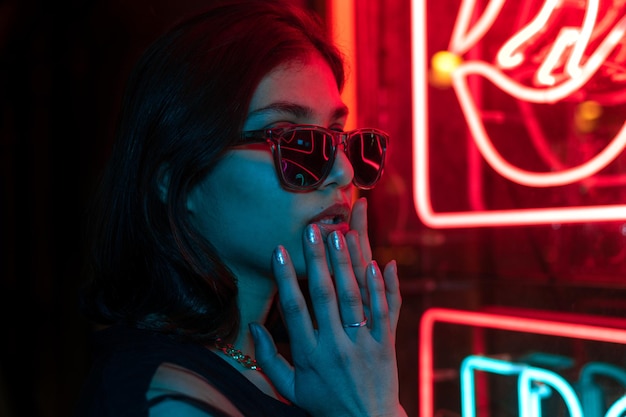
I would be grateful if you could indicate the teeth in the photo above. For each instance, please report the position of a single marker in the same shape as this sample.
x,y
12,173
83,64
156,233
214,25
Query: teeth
x,y
328,220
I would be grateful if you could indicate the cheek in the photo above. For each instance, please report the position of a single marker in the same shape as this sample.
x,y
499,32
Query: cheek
x,y
242,210
236,194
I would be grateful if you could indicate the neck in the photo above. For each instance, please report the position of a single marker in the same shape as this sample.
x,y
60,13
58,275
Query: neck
x,y
254,302
255,299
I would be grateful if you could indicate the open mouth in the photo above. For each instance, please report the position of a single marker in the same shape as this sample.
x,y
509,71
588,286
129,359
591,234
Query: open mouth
x,y
332,220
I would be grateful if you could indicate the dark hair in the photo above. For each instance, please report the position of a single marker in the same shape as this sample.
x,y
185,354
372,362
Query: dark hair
x,y
185,104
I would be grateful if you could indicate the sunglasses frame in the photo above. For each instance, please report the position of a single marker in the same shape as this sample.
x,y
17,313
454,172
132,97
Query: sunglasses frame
x,y
273,137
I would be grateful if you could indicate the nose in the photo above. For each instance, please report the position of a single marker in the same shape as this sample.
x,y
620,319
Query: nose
x,y
342,172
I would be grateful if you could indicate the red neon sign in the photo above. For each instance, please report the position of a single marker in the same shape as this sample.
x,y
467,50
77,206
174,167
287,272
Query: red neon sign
x,y
555,53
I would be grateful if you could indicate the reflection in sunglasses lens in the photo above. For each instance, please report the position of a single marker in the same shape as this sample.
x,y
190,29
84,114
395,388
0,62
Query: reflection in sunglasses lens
x,y
366,152
306,157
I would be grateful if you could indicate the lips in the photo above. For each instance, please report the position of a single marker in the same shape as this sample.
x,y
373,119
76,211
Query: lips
x,y
335,217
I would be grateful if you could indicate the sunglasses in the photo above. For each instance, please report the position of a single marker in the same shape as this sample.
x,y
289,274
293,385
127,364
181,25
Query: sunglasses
x,y
304,154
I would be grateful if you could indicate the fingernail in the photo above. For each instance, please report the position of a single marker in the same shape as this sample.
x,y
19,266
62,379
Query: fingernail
x,y
254,331
280,254
312,233
373,267
394,265
337,239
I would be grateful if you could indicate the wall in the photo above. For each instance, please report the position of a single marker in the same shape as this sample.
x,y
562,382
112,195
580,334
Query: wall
x,y
559,266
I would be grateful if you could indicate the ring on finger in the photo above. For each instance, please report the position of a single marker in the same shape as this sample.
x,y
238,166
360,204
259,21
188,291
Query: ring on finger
x,y
358,324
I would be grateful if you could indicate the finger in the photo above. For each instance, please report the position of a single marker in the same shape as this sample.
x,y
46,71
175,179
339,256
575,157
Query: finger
x,y
321,287
358,223
380,325
392,291
359,263
348,293
359,266
292,302
274,365
359,244
359,247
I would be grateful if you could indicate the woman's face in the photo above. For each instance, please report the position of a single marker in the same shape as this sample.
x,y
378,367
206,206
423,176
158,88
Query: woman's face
x,y
241,207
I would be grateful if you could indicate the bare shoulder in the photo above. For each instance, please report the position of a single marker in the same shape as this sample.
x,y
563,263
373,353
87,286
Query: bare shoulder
x,y
184,392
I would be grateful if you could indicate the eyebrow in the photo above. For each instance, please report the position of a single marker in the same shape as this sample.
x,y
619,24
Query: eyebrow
x,y
297,110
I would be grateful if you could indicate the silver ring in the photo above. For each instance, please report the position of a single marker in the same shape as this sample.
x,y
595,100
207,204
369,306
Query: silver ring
x,y
359,324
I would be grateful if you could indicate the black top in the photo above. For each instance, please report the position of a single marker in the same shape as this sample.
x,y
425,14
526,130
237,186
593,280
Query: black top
x,y
126,359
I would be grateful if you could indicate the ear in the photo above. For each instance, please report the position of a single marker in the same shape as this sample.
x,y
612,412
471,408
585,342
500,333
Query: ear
x,y
191,199
163,182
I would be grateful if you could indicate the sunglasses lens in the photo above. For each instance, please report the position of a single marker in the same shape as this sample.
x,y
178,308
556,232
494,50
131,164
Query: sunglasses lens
x,y
367,154
305,155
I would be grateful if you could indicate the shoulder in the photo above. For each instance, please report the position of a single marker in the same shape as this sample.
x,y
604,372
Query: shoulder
x,y
156,375
175,390
125,362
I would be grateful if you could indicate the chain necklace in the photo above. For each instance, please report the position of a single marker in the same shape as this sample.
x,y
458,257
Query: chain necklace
x,y
245,360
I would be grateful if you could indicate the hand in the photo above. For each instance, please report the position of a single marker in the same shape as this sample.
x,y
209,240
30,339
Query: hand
x,y
337,371
361,255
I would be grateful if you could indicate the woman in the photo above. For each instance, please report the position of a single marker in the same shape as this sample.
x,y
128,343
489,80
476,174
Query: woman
x,y
230,185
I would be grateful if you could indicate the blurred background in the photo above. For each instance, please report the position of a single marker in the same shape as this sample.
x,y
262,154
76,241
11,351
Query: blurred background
x,y
63,66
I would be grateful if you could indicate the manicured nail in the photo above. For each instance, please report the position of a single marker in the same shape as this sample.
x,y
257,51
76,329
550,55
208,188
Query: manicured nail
x,y
373,267
254,330
337,239
313,233
280,254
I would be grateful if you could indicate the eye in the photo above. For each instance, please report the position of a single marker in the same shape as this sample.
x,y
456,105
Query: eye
x,y
336,128
281,124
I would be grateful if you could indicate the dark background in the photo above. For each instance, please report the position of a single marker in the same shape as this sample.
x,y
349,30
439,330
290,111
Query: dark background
x,y
62,70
